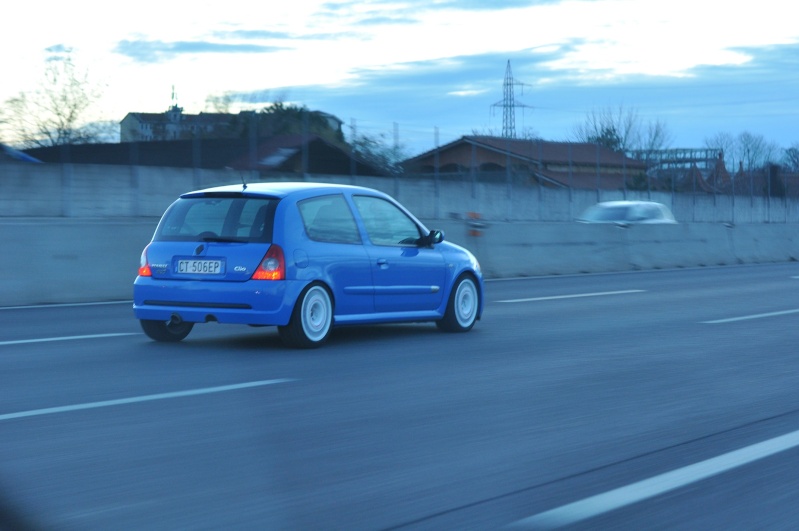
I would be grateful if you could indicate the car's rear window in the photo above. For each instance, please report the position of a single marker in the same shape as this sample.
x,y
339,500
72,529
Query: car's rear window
x,y
218,218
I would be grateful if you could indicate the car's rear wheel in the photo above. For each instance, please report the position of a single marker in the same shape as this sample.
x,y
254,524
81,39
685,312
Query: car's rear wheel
x,y
462,307
311,320
167,331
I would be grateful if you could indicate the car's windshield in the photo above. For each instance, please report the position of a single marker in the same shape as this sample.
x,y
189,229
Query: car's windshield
x,y
226,219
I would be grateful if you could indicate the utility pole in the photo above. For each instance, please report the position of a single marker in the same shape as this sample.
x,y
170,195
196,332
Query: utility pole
x,y
508,104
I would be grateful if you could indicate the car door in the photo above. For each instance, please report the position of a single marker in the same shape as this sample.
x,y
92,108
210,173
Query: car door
x,y
407,277
335,253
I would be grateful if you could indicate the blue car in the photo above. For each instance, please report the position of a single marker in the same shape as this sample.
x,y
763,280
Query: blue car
x,y
304,257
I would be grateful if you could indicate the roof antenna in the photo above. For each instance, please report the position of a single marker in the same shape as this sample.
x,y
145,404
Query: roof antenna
x,y
241,175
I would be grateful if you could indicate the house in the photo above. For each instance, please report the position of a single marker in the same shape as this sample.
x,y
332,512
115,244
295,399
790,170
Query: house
x,y
553,164
174,124
9,154
277,154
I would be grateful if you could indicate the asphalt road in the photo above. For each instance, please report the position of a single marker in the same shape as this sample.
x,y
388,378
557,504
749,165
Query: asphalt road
x,y
647,400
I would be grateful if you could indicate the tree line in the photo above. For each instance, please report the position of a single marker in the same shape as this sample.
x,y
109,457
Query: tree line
x,y
622,130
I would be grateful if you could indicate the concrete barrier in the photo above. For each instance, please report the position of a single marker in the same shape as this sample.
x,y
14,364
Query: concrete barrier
x,y
56,260
524,249
684,245
100,190
765,242
60,260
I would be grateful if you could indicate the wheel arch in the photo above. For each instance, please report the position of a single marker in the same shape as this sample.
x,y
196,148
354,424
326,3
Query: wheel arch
x,y
453,281
317,282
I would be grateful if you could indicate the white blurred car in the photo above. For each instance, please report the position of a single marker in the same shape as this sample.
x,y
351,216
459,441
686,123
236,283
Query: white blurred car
x,y
627,212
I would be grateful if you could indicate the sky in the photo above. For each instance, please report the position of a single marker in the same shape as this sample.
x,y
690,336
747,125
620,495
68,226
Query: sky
x,y
426,72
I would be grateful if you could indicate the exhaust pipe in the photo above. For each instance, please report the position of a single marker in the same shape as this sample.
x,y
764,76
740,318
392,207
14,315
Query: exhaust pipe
x,y
175,320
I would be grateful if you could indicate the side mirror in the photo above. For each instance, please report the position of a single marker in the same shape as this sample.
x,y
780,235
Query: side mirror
x,y
435,236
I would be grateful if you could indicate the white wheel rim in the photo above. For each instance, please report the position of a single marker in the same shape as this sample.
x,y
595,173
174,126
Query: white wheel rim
x,y
465,303
316,313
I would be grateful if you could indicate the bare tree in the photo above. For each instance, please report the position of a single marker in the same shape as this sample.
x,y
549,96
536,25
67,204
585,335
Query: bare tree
x,y
746,151
621,129
722,141
219,103
55,113
526,133
3,122
379,152
611,128
656,136
488,131
790,158
106,131
755,151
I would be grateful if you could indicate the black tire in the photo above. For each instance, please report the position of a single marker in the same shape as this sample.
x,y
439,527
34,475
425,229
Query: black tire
x,y
165,330
462,306
311,320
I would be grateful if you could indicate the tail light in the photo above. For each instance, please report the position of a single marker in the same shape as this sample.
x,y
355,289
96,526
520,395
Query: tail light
x,y
144,266
272,267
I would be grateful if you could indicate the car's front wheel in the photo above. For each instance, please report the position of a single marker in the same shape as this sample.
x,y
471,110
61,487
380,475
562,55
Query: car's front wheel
x,y
166,330
462,307
311,320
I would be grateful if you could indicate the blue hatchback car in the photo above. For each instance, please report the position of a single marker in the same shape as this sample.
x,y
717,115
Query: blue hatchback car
x,y
304,257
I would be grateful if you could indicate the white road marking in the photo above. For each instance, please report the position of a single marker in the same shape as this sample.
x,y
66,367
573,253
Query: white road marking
x,y
654,486
749,317
576,296
65,338
137,399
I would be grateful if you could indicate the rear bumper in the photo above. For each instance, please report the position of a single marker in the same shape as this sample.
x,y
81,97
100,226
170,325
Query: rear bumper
x,y
254,302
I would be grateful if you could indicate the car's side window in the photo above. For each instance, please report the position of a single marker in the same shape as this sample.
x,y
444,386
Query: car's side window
x,y
385,223
644,212
655,213
329,219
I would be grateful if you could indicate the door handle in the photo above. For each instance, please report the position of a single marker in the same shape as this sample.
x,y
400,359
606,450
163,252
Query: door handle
x,y
382,263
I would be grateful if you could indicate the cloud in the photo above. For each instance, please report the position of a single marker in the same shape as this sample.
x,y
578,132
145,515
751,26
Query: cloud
x,y
468,92
459,94
386,20
58,48
436,82
464,5
252,34
156,51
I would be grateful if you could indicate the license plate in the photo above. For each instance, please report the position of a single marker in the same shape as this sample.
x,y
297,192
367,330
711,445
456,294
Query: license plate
x,y
200,267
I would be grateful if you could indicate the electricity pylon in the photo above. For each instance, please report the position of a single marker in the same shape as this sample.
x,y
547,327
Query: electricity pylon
x,y
509,104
